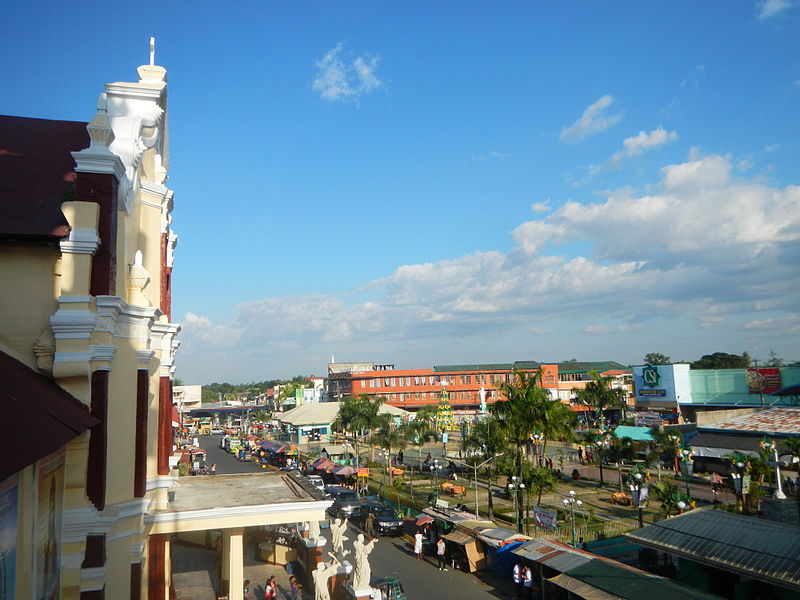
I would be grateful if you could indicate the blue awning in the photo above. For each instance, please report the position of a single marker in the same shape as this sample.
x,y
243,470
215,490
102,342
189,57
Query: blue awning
x,y
637,434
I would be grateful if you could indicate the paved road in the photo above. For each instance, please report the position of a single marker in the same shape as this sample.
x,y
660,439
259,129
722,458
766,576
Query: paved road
x,y
394,557
226,462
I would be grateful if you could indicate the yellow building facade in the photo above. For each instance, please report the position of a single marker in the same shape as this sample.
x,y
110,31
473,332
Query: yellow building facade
x,y
89,501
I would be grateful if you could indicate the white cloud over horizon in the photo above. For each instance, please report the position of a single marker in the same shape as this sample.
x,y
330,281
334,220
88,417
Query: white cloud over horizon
x,y
700,248
592,121
341,79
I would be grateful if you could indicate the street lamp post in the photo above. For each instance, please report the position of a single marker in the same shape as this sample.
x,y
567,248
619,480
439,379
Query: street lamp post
x,y
384,454
739,477
435,467
639,490
600,442
515,487
537,437
771,446
570,503
686,454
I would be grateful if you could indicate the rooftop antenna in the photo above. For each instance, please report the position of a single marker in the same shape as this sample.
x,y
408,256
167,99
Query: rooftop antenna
x,y
152,51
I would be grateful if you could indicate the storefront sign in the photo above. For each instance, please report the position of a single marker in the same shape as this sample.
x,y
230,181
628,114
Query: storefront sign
x,y
763,381
648,419
649,392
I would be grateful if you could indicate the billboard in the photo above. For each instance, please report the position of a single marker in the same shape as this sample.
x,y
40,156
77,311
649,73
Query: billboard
x,y
763,381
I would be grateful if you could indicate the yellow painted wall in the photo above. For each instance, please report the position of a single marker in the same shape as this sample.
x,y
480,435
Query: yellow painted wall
x,y
28,299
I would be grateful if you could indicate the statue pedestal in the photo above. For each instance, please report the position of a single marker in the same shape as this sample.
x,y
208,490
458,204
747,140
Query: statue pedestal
x,y
339,582
309,553
353,594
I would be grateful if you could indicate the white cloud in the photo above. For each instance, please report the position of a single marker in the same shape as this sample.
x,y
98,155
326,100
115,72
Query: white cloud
x,y
542,207
338,79
593,120
771,8
704,251
632,146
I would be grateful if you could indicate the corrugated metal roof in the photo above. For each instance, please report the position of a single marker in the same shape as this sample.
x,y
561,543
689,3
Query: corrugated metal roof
x,y
761,549
632,584
555,554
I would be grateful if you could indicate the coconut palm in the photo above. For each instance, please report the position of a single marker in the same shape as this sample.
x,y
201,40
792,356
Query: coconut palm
x,y
358,415
600,395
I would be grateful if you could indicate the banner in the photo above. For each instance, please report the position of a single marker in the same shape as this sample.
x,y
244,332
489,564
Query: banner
x,y
545,519
49,508
9,520
763,381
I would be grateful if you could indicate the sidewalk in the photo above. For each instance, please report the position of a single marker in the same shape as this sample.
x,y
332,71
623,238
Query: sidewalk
x,y
194,573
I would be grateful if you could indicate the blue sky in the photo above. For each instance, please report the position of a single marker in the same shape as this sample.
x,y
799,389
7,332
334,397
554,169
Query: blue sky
x,y
438,183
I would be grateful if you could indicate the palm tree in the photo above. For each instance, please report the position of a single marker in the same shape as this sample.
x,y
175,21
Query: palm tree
x,y
666,492
358,415
388,437
600,395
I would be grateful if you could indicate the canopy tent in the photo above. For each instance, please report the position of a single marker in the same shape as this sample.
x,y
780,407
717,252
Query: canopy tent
x,y
343,470
637,434
584,590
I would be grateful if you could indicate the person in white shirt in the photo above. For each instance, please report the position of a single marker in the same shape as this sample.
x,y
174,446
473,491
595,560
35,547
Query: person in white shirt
x,y
418,544
528,583
518,580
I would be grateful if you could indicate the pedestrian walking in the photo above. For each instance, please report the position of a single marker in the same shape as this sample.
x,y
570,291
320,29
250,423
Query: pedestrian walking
x,y
580,454
528,583
247,593
213,468
517,574
369,526
440,550
271,589
418,544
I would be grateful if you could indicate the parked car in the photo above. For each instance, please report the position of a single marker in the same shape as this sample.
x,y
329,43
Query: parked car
x,y
386,520
346,503
217,431
316,480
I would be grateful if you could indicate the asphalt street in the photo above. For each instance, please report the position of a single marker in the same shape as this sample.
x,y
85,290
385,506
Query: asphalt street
x,y
391,556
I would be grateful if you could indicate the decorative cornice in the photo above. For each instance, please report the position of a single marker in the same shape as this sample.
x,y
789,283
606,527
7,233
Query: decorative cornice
x,y
103,353
93,578
74,299
143,357
137,551
161,482
81,241
73,324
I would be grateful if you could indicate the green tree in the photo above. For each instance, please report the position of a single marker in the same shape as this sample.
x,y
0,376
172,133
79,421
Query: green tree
x,y
359,415
722,360
489,440
774,359
656,358
667,493
418,433
600,395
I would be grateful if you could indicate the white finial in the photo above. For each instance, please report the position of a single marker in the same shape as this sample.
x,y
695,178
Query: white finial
x,y
152,51
137,259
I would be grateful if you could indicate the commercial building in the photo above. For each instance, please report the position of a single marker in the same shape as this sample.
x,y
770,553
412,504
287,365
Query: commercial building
x,y
471,388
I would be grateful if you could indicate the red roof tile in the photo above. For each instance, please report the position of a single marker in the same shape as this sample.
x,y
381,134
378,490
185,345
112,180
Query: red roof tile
x,y
39,416
36,171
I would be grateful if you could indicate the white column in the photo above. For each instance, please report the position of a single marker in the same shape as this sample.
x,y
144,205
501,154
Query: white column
x,y
235,562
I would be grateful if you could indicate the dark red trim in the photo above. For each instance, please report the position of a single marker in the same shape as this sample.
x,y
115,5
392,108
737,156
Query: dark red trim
x,y
98,447
140,451
95,555
156,559
136,581
164,424
102,189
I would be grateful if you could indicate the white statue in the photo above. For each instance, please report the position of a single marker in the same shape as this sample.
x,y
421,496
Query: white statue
x,y
321,575
362,571
337,535
313,530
